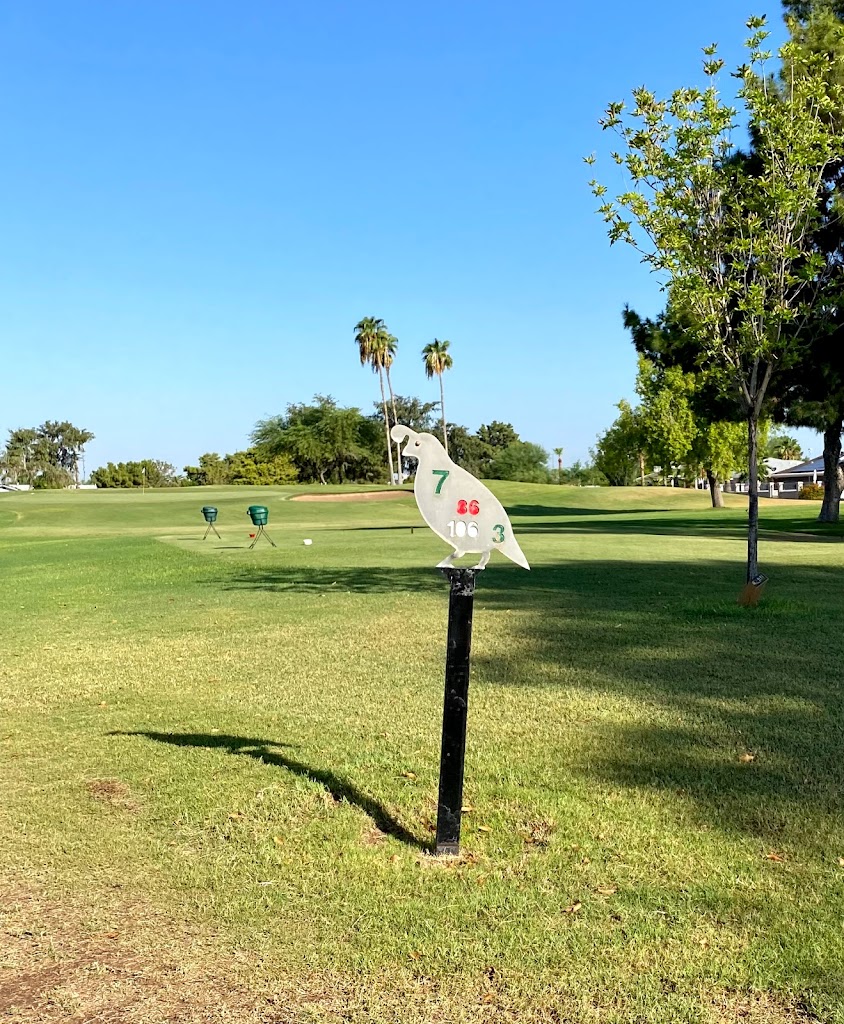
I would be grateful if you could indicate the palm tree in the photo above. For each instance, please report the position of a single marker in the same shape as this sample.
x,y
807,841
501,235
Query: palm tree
x,y
437,361
783,447
370,333
391,343
559,453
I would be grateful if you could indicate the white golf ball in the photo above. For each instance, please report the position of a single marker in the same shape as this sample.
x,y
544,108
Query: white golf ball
x,y
307,541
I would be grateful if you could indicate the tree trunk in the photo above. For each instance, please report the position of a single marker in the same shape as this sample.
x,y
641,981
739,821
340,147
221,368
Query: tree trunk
x,y
442,410
642,468
395,420
753,496
714,490
559,469
833,479
386,426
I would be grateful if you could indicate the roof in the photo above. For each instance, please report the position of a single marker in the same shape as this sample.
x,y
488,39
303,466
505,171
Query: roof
x,y
778,465
801,469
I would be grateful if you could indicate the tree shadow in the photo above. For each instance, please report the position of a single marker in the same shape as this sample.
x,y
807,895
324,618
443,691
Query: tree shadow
x,y
726,681
563,511
742,709
359,580
267,752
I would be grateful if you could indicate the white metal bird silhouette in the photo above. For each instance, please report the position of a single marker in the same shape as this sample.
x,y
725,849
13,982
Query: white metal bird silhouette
x,y
456,506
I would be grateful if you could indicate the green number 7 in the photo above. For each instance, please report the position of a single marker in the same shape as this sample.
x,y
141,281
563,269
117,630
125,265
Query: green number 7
x,y
442,474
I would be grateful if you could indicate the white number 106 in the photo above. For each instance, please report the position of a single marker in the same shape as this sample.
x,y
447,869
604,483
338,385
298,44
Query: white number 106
x,y
461,529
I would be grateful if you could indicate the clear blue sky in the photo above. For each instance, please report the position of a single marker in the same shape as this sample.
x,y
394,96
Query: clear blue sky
x,y
202,198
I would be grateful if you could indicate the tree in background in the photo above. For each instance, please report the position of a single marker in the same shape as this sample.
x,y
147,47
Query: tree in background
x,y
211,470
46,456
620,451
437,360
717,451
468,450
803,10
253,469
559,453
412,412
580,475
324,441
732,242
373,347
781,446
520,460
388,346
666,415
669,347
19,457
498,435
146,472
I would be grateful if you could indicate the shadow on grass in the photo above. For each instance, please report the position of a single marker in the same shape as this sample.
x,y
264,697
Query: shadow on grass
x,y
740,711
563,511
268,752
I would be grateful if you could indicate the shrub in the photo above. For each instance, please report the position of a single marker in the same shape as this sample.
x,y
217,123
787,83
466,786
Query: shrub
x,y
812,492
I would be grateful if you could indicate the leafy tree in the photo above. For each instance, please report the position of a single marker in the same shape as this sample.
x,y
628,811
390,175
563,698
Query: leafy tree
x,y
146,472
498,435
469,451
579,475
718,450
732,242
52,451
250,468
669,345
412,412
52,478
437,360
520,460
19,459
620,451
816,398
323,440
211,470
371,337
803,10
666,415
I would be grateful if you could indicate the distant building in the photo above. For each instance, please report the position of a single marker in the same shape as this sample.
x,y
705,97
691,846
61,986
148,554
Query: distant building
x,y
790,481
774,484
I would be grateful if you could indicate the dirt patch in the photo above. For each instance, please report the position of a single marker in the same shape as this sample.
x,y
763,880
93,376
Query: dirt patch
x,y
757,1008
118,963
360,496
112,792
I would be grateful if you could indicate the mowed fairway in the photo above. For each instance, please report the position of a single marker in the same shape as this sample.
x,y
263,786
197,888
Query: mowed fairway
x,y
219,766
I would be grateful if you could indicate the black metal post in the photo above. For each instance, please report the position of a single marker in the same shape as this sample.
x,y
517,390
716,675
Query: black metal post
x,y
461,600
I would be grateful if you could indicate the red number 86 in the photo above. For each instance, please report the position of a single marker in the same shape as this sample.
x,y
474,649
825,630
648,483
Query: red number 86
x,y
472,507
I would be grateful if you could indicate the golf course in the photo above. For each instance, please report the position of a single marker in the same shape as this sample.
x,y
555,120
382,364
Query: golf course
x,y
219,765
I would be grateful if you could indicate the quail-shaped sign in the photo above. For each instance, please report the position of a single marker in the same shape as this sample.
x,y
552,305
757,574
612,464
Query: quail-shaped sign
x,y
455,505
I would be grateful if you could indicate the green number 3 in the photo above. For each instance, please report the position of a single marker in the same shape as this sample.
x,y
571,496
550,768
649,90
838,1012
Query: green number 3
x,y
498,533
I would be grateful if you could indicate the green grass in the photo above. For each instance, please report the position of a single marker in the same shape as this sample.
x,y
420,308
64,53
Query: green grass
x,y
272,717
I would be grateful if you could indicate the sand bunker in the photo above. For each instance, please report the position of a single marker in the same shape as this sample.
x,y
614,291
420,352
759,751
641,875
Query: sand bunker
x,y
360,496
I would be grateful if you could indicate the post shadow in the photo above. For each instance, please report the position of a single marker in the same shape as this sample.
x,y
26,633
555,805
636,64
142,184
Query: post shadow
x,y
259,749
